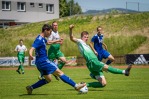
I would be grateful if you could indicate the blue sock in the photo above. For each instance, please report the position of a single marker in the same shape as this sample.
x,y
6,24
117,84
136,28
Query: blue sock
x,y
67,80
108,62
39,83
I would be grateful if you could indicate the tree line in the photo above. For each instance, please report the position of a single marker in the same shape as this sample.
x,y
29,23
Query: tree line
x,y
68,8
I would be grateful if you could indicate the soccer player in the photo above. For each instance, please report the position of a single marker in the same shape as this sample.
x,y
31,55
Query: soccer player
x,y
54,53
97,41
54,50
21,49
93,64
44,65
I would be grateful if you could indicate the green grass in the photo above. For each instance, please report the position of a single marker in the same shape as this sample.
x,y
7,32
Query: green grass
x,y
12,85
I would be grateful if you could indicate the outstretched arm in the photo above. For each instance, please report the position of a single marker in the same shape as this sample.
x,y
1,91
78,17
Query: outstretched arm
x,y
72,38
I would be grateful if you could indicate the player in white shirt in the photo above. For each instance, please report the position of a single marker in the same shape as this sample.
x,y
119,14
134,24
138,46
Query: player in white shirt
x,y
21,49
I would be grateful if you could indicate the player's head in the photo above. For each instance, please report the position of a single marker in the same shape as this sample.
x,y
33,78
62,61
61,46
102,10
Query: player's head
x,y
55,26
21,41
84,36
99,29
47,29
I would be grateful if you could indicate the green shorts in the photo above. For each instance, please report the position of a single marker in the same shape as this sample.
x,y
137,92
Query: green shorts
x,y
95,67
21,58
54,52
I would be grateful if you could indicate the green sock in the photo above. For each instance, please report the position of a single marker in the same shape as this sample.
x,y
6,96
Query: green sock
x,y
115,70
60,65
19,67
95,85
22,68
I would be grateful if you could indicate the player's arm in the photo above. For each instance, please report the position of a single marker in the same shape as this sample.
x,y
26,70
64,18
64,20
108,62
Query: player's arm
x,y
105,46
31,53
91,45
54,41
25,49
16,49
72,38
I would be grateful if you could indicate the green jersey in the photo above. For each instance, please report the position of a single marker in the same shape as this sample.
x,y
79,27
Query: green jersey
x,y
93,64
21,49
85,50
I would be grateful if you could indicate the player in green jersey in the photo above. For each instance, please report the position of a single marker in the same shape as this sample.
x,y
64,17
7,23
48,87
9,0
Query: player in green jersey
x,y
54,50
21,49
95,66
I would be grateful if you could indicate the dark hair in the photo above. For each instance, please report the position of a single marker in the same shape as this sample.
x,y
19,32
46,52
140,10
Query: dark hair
x,y
46,27
84,33
20,40
98,27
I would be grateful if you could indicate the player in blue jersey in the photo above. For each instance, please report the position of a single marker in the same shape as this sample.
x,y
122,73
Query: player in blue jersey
x,y
44,65
97,41
97,46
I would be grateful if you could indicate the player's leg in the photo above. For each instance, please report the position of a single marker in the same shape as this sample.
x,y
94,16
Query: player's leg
x,y
22,62
110,59
45,70
116,70
39,84
62,59
68,80
107,55
19,67
52,56
102,81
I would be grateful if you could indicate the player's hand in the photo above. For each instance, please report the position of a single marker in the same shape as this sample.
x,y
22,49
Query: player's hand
x,y
96,53
71,26
31,57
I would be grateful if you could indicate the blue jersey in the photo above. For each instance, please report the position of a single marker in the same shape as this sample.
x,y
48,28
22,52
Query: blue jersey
x,y
40,49
97,40
102,53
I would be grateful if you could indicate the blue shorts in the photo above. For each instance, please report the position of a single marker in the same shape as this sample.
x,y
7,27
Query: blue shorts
x,y
103,54
46,67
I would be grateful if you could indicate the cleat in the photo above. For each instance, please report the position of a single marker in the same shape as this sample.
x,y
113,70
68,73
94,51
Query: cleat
x,y
56,77
18,71
22,72
29,90
79,86
127,71
92,76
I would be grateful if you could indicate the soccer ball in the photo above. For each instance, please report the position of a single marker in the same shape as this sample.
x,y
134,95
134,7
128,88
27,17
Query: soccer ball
x,y
83,90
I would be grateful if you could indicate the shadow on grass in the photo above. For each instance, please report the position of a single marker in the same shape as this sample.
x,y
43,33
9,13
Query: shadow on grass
x,y
32,94
41,94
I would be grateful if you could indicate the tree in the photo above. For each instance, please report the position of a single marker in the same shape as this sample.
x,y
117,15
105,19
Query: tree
x,y
69,8
63,8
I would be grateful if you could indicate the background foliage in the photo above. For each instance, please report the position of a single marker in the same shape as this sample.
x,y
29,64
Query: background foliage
x,y
123,33
69,7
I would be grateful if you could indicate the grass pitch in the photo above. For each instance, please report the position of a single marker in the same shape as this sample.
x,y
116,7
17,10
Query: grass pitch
x,y
12,85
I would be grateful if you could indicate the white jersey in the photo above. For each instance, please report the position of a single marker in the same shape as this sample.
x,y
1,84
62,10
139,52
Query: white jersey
x,y
21,48
54,36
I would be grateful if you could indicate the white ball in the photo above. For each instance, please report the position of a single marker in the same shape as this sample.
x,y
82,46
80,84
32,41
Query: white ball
x,y
83,90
